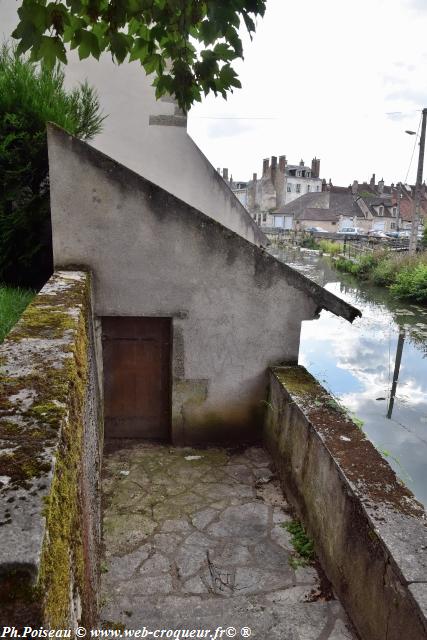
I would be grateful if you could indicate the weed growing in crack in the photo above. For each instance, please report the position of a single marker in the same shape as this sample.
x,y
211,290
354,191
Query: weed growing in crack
x,y
302,544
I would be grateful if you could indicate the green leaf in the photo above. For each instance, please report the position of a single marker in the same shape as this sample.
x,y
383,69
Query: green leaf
x,y
89,44
50,50
120,45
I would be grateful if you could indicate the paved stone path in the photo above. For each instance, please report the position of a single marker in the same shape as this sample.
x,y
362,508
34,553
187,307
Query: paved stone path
x,y
194,539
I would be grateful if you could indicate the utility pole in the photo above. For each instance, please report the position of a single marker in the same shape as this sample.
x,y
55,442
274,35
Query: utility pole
x,y
416,214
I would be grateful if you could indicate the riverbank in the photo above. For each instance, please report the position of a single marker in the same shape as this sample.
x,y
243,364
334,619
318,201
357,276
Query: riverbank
x,y
405,275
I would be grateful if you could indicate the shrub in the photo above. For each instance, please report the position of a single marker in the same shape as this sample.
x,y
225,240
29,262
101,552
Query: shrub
x,y
328,246
342,264
309,243
384,273
363,267
411,283
29,98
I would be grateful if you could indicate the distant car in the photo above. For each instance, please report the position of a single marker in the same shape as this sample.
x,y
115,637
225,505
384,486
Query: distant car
x,y
392,234
351,231
377,233
315,230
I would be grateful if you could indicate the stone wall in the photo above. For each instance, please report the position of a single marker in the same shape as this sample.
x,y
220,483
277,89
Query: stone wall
x,y
369,531
50,454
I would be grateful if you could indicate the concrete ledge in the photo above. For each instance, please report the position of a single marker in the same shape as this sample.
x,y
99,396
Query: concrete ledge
x,y
369,531
49,461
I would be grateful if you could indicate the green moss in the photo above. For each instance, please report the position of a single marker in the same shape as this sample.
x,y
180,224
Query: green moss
x,y
296,380
49,413
63,548
54,419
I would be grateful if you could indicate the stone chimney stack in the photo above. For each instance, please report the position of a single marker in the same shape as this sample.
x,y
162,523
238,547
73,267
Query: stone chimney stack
x,y
265,167
324,185
282,164
372,180
381,185
273,168
225,174
315,168
301,163
354,187
254,177
219,170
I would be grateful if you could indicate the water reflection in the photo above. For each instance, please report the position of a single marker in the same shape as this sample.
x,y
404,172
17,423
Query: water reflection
x,y
396,372
377,367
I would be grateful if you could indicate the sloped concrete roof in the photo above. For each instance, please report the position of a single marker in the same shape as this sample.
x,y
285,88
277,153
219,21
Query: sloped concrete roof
x,y
168,205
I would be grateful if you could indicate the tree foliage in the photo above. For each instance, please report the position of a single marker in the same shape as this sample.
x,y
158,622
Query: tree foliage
x,y
29,98
188,45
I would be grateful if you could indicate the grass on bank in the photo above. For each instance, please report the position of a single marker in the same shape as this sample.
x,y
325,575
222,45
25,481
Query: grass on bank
x,y
331,247
327,246
12,304
405,275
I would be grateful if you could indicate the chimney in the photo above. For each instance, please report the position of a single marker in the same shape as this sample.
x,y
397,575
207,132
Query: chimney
x,y
354,187
225,174
381,185
254,177
323,184
315,168
265,166
301,163
282,164
273,168
372,180
219,170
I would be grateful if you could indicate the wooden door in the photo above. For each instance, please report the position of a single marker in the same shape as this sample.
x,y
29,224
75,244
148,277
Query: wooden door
x,y
137,387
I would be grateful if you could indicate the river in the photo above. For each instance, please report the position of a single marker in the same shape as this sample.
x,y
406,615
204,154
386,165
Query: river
x,y
358,362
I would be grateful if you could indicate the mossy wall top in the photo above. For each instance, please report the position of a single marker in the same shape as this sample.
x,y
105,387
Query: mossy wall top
x,y
46,383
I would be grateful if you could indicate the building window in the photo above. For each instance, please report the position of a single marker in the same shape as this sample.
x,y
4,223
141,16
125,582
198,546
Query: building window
x,y
289,188
381,211
308,188
264,217
298,174
392,225
394,212
333,222
298,188
317,188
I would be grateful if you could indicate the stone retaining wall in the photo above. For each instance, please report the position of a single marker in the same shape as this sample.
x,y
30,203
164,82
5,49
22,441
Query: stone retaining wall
x,y
369,531
50,453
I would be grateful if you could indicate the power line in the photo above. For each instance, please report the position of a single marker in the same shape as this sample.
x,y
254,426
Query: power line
x,y
231,118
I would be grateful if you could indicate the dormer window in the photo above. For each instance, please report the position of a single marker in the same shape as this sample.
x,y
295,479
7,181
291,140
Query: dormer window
x,y
394,212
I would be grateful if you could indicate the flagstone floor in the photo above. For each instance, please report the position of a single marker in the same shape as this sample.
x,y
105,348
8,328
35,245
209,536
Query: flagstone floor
x,y
195,540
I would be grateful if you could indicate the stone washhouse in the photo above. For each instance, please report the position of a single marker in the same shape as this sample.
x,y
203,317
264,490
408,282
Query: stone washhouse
x,y
205,310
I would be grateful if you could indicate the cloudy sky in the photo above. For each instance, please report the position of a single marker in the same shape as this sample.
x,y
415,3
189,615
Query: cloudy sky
x,y
333,79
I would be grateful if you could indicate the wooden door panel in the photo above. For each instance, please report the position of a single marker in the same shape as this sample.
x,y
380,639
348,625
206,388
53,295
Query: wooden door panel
x,y
136,355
